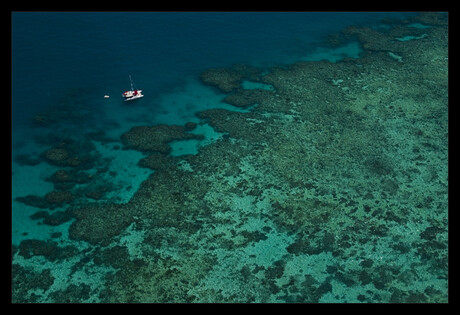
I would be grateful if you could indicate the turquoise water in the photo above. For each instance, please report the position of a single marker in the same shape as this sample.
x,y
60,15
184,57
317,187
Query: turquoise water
x,y
198,194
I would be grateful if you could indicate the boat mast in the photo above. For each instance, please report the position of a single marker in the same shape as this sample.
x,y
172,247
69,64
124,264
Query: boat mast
x,y
132,83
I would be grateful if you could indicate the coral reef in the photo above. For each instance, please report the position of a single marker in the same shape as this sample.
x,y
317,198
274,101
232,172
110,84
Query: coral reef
x,y
56,155
97,224
156,138
49,249
59,197
25,279
156,161
332,189
230,79
224,79
245,98
70,153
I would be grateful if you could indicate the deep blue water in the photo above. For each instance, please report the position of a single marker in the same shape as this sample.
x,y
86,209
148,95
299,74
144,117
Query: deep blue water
x,y
53,53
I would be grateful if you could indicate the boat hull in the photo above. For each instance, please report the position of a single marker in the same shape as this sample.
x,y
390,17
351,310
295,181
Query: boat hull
x,y
133,98
132,95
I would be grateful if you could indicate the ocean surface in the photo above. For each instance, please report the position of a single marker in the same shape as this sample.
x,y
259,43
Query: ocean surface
x,y
54,53
63,63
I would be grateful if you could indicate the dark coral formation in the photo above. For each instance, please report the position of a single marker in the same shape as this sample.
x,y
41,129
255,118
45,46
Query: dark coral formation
x,y
70,153
99,223
245,98
230,79
156,138
82,174
225,79
332,188
59,197
157,161
56,155
25,279
49,249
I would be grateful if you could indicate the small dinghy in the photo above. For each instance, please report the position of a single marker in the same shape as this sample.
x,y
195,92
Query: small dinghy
x,y
133,93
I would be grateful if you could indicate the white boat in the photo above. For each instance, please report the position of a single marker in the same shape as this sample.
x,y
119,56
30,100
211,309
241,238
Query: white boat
x,y
133,93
